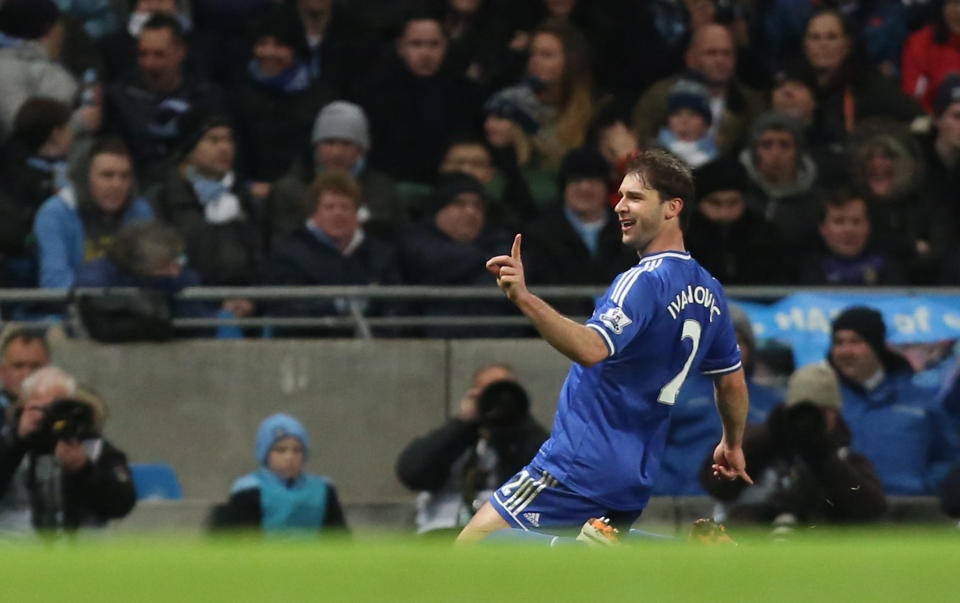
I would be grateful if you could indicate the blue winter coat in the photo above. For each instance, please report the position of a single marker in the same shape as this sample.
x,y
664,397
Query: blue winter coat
x,y
901,429
60,236
695,429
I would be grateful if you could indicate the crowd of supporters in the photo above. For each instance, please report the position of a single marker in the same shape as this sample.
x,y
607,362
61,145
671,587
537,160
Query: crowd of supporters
x,y
326,142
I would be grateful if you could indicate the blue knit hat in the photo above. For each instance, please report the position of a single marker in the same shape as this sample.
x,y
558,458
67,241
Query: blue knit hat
x,y
687,93
276,427
520,105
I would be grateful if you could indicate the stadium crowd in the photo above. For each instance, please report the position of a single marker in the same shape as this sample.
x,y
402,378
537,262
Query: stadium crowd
x,y
824,135
164,144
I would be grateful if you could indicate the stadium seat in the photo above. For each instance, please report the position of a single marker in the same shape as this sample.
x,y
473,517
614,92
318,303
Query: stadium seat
x,y
155,481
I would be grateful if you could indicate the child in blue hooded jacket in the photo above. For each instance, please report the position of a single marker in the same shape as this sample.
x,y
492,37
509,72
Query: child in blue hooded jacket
x,y
280,496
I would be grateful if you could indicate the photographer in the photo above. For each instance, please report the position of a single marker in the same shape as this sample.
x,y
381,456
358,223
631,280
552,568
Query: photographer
x,y
800,462
56,471
460,464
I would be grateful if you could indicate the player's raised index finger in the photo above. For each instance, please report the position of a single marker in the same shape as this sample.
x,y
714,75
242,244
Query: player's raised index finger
x,y
515,252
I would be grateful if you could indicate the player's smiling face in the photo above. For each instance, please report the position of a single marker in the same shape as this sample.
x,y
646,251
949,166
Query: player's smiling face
x,y
640,211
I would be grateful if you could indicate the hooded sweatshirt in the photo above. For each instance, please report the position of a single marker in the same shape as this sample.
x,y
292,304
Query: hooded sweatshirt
x,y
307,502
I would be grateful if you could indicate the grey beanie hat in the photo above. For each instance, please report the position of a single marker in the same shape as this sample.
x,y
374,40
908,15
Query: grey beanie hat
x,y
342,120
772,120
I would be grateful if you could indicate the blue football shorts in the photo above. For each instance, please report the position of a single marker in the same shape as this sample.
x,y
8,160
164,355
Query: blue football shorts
x,y
534,500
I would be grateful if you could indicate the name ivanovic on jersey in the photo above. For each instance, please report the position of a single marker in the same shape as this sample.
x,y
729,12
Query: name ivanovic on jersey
x,y
694,295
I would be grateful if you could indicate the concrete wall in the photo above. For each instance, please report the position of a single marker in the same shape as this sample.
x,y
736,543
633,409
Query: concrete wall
x,y
197,404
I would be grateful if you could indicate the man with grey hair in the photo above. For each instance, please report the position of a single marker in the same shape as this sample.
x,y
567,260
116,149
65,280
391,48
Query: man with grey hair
x,y
341,141
57,473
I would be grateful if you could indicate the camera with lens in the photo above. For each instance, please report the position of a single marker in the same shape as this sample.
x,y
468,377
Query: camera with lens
x,y
502,404
66,419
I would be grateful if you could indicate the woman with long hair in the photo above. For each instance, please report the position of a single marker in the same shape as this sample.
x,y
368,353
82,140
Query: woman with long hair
x,y
559,64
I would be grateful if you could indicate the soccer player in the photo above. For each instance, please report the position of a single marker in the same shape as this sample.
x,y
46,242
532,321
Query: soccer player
x,y
658,321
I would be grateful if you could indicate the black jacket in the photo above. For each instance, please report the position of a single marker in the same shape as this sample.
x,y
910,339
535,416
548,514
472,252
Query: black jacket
x,y
302,259
223,254
555,254
273,128
816,476
426,462
101,490
745,252
412,119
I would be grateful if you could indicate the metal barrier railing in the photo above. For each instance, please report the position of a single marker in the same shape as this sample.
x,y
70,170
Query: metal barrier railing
x,y
363,325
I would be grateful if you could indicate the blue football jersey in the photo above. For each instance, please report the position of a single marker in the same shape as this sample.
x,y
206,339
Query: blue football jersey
x,y
662,319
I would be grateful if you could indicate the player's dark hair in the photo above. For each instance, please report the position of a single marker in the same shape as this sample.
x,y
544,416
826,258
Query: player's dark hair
x,y
26,335
837,199
666,174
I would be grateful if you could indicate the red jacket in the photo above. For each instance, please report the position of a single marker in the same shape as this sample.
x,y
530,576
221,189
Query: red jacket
x,y
926,63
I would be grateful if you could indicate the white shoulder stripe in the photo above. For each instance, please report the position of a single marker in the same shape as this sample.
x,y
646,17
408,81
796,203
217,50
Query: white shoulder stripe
x,y
729,369
627,284
606,338
623,280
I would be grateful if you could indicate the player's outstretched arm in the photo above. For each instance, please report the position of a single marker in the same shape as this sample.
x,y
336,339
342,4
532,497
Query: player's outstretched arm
x,y
732,404
575,341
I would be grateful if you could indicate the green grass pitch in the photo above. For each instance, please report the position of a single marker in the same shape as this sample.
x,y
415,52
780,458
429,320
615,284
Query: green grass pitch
x,y
906,564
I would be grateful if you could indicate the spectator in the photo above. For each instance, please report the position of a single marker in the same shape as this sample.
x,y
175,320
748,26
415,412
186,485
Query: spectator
x,y
146,255
687,132
151,111
204,198
732,241
879,26
794,94
341,141
33,33
479,43
732,104
459,465
512,117
280,497
783,179
507,192
57,472
886,169
22,352
881,404
695,427
802,463
277,102
414,105
120,48
336,52
847,92
559,63
931,54
578,241
450,247
33,167
941,179
331,248
846,255
77,224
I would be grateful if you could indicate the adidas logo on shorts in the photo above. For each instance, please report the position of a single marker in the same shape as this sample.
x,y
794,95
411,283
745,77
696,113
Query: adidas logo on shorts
x,y
533,518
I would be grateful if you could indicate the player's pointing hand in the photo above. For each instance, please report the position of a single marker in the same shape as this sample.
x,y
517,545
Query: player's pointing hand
x,y
509,271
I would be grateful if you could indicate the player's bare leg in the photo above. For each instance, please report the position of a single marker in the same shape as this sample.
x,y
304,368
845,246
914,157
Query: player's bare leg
x,y
484,523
